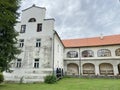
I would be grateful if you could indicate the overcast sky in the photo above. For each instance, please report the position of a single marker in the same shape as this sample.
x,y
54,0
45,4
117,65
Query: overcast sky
x,y
81,18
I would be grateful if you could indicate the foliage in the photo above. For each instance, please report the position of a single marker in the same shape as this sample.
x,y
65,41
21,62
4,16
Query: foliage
x,y
50,79
1,78
8,16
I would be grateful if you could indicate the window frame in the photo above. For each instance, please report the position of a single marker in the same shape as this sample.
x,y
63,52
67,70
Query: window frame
x,y
19,63
38,42
39,27
21,43
117,52
89,53
103,53
23,28
72,54
32,20
36,63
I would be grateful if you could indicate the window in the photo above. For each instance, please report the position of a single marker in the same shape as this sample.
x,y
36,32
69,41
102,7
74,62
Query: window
x,y
21,42
36,63
104,53
39,27
87,53
23,28
72,54
117,52
18,63
32,20
38,42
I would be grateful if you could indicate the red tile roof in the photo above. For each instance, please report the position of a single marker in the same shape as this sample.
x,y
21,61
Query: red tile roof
x,y
95,41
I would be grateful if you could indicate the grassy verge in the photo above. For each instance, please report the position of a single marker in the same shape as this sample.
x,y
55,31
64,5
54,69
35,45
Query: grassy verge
x,y
68,84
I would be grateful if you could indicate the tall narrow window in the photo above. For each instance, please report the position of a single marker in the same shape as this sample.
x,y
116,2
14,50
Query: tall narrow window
x,y
21,42
38,42
39,27
23,28
18,63
36,63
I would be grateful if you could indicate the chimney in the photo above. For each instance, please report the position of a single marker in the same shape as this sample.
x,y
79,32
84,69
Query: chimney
x,y
33,5
101,36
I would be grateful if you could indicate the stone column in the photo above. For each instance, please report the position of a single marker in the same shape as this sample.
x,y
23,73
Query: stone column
x,y
115,69
81,69
97,71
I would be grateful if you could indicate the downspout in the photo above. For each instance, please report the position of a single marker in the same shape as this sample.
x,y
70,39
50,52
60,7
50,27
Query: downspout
x,y
79,63
53,50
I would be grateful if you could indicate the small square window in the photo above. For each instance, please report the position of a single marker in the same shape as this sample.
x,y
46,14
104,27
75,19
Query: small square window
x,y
38,42
21,42
18,63
36,63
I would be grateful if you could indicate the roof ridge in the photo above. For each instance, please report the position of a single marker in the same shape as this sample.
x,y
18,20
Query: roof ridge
x,y
91,37
34,6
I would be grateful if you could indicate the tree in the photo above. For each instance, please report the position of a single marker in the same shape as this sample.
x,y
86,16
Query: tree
x,y
8,40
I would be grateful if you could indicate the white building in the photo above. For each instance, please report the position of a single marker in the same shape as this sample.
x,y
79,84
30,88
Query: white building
x,y
39,44
43,51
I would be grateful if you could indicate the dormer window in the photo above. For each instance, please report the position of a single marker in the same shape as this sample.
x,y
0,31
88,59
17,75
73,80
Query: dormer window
x,y
32,20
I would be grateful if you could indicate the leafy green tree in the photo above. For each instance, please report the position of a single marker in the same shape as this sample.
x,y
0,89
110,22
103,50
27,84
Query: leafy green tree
x,y
8,40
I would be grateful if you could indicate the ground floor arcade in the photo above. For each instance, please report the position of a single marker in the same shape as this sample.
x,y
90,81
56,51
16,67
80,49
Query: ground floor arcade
x,y
104,67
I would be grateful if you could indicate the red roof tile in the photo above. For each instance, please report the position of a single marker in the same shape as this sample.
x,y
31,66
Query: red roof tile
x,y
95,41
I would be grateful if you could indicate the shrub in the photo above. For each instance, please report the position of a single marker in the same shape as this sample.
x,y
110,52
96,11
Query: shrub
x,y
1,78
50,79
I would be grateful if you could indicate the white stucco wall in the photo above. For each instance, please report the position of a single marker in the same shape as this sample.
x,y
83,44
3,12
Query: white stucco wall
x,y
58,53
30,51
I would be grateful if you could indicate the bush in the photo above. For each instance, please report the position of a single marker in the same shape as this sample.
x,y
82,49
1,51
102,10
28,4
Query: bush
x,y
1,78
50,79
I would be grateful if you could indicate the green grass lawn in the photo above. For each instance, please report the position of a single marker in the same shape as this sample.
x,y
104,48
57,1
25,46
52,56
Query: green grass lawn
x,y
68,84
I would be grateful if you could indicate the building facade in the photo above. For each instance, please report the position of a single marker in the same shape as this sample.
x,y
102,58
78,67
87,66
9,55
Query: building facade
x,y
39,44
43,51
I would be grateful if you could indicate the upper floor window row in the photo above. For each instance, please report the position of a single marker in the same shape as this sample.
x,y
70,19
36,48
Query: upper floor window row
x,y
19,63
23,28
90,53
21,43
